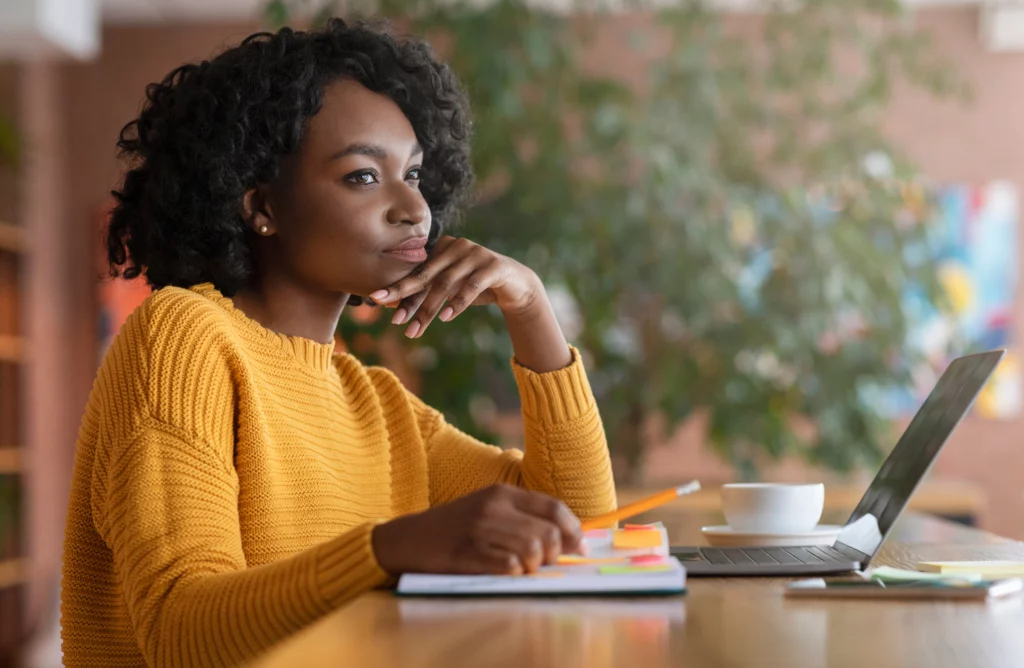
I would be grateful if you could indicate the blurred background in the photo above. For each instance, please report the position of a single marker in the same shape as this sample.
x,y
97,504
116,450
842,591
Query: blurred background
x,y
767,227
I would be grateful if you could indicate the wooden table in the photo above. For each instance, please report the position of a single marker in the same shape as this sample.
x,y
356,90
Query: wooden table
x,y
719,622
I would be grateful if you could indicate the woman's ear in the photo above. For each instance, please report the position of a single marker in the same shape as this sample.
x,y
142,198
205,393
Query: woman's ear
x,y
257,213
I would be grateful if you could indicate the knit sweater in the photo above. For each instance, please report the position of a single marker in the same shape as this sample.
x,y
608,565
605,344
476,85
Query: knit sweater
x,y
228,478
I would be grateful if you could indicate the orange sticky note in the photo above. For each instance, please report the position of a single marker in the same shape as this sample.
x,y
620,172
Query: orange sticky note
x,y
573,560
636,539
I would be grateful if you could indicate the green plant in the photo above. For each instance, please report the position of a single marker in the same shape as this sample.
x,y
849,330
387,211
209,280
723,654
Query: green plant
x,y
713,229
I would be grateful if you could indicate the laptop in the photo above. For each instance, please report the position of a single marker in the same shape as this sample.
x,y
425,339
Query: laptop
x,y
859,540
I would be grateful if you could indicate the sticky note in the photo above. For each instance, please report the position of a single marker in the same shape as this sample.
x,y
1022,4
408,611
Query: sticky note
x,y
636,539
626,570
596,533
639,527
889,574
988,568
573,560
647,559
547,574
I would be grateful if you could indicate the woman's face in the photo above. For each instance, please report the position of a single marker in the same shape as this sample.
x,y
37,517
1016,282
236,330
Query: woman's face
x,y
349,198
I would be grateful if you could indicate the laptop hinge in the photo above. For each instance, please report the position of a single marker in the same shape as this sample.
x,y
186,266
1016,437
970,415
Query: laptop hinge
x,y
851,553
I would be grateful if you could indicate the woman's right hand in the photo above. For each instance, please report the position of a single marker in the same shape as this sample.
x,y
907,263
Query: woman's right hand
x,y
497,530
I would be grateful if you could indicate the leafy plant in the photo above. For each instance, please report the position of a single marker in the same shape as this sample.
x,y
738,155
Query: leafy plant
x,y
711,236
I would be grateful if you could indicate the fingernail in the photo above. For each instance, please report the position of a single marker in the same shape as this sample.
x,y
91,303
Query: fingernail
x,y
584,549
447,314
398,317
379,295
413,329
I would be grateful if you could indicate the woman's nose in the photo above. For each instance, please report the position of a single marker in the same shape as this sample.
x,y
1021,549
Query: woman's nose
x,y
408,207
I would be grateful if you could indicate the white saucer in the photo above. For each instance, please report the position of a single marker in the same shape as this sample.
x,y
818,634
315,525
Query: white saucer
x,y
725,536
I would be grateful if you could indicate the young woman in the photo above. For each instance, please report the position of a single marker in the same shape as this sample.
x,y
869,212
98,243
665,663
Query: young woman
x,y
236,478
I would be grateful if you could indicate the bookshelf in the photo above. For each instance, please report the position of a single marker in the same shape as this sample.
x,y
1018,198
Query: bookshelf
x,y
13,566
11,348
12,572
10,461
12,238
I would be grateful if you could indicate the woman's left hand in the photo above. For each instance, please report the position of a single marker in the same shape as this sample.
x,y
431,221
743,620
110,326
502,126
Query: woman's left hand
x,y
458,274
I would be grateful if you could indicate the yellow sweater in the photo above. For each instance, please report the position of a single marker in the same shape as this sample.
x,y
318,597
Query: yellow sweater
x,y
228,478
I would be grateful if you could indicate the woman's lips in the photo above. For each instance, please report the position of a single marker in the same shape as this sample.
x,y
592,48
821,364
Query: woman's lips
x,y
410,250
412,255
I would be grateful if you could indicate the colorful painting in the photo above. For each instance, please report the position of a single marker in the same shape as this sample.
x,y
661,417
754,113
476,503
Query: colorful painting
x,y
975,246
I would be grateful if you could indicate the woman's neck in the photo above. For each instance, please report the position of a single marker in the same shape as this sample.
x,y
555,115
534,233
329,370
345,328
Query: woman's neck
x,y
286,308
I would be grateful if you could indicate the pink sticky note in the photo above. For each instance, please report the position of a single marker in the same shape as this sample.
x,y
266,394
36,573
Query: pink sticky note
x,y
596,533
638,527
647,559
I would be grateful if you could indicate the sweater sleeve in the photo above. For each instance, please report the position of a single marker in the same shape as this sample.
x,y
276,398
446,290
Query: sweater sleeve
x,y
565,450
171,523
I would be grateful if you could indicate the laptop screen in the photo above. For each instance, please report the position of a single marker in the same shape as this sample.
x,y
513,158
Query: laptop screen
x,y
913,455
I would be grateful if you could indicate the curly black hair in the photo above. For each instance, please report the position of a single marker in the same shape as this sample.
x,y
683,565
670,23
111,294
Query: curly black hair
x,y
210,132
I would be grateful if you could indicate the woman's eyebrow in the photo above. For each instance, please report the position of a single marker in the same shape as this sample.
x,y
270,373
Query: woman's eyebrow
x,y
371,150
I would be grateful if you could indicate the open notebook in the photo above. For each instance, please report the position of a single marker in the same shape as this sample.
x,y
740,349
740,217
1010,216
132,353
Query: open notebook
x,y
633,560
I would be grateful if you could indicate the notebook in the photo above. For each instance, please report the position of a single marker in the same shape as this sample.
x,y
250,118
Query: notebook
x,y
633,560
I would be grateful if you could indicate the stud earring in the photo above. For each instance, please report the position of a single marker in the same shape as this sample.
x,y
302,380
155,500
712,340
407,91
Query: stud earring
x,y
263,229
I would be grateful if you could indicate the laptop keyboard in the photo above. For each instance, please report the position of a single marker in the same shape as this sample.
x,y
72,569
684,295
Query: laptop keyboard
x,y
772,555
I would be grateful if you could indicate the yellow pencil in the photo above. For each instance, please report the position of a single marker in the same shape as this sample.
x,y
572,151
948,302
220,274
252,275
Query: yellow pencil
x,y
643,505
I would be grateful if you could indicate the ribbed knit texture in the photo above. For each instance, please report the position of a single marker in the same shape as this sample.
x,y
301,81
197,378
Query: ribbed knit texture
x,y
228,478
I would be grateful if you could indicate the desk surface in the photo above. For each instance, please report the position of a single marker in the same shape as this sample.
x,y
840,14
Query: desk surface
x,y
720,622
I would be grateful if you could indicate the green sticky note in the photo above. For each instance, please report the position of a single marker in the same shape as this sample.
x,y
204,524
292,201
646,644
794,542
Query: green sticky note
x,y
889,574
626,570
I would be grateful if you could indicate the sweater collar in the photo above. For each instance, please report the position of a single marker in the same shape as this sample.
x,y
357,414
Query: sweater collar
x,y
312,354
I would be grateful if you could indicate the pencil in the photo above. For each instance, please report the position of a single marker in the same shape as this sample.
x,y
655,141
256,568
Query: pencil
x,y
643,505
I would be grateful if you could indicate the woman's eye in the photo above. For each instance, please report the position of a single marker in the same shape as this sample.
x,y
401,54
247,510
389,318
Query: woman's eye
x,y
364,178
414,174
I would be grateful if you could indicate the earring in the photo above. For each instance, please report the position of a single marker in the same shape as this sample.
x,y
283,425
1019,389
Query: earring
x,y
263,229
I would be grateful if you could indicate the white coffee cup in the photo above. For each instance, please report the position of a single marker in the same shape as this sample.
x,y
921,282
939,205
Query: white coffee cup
x,y
773,507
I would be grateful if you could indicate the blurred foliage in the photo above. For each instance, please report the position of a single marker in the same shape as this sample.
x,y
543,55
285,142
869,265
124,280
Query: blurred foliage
x,y
9,509
9,142
708,231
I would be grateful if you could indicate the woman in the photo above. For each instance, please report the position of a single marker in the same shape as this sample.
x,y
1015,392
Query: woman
x,y
236,478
